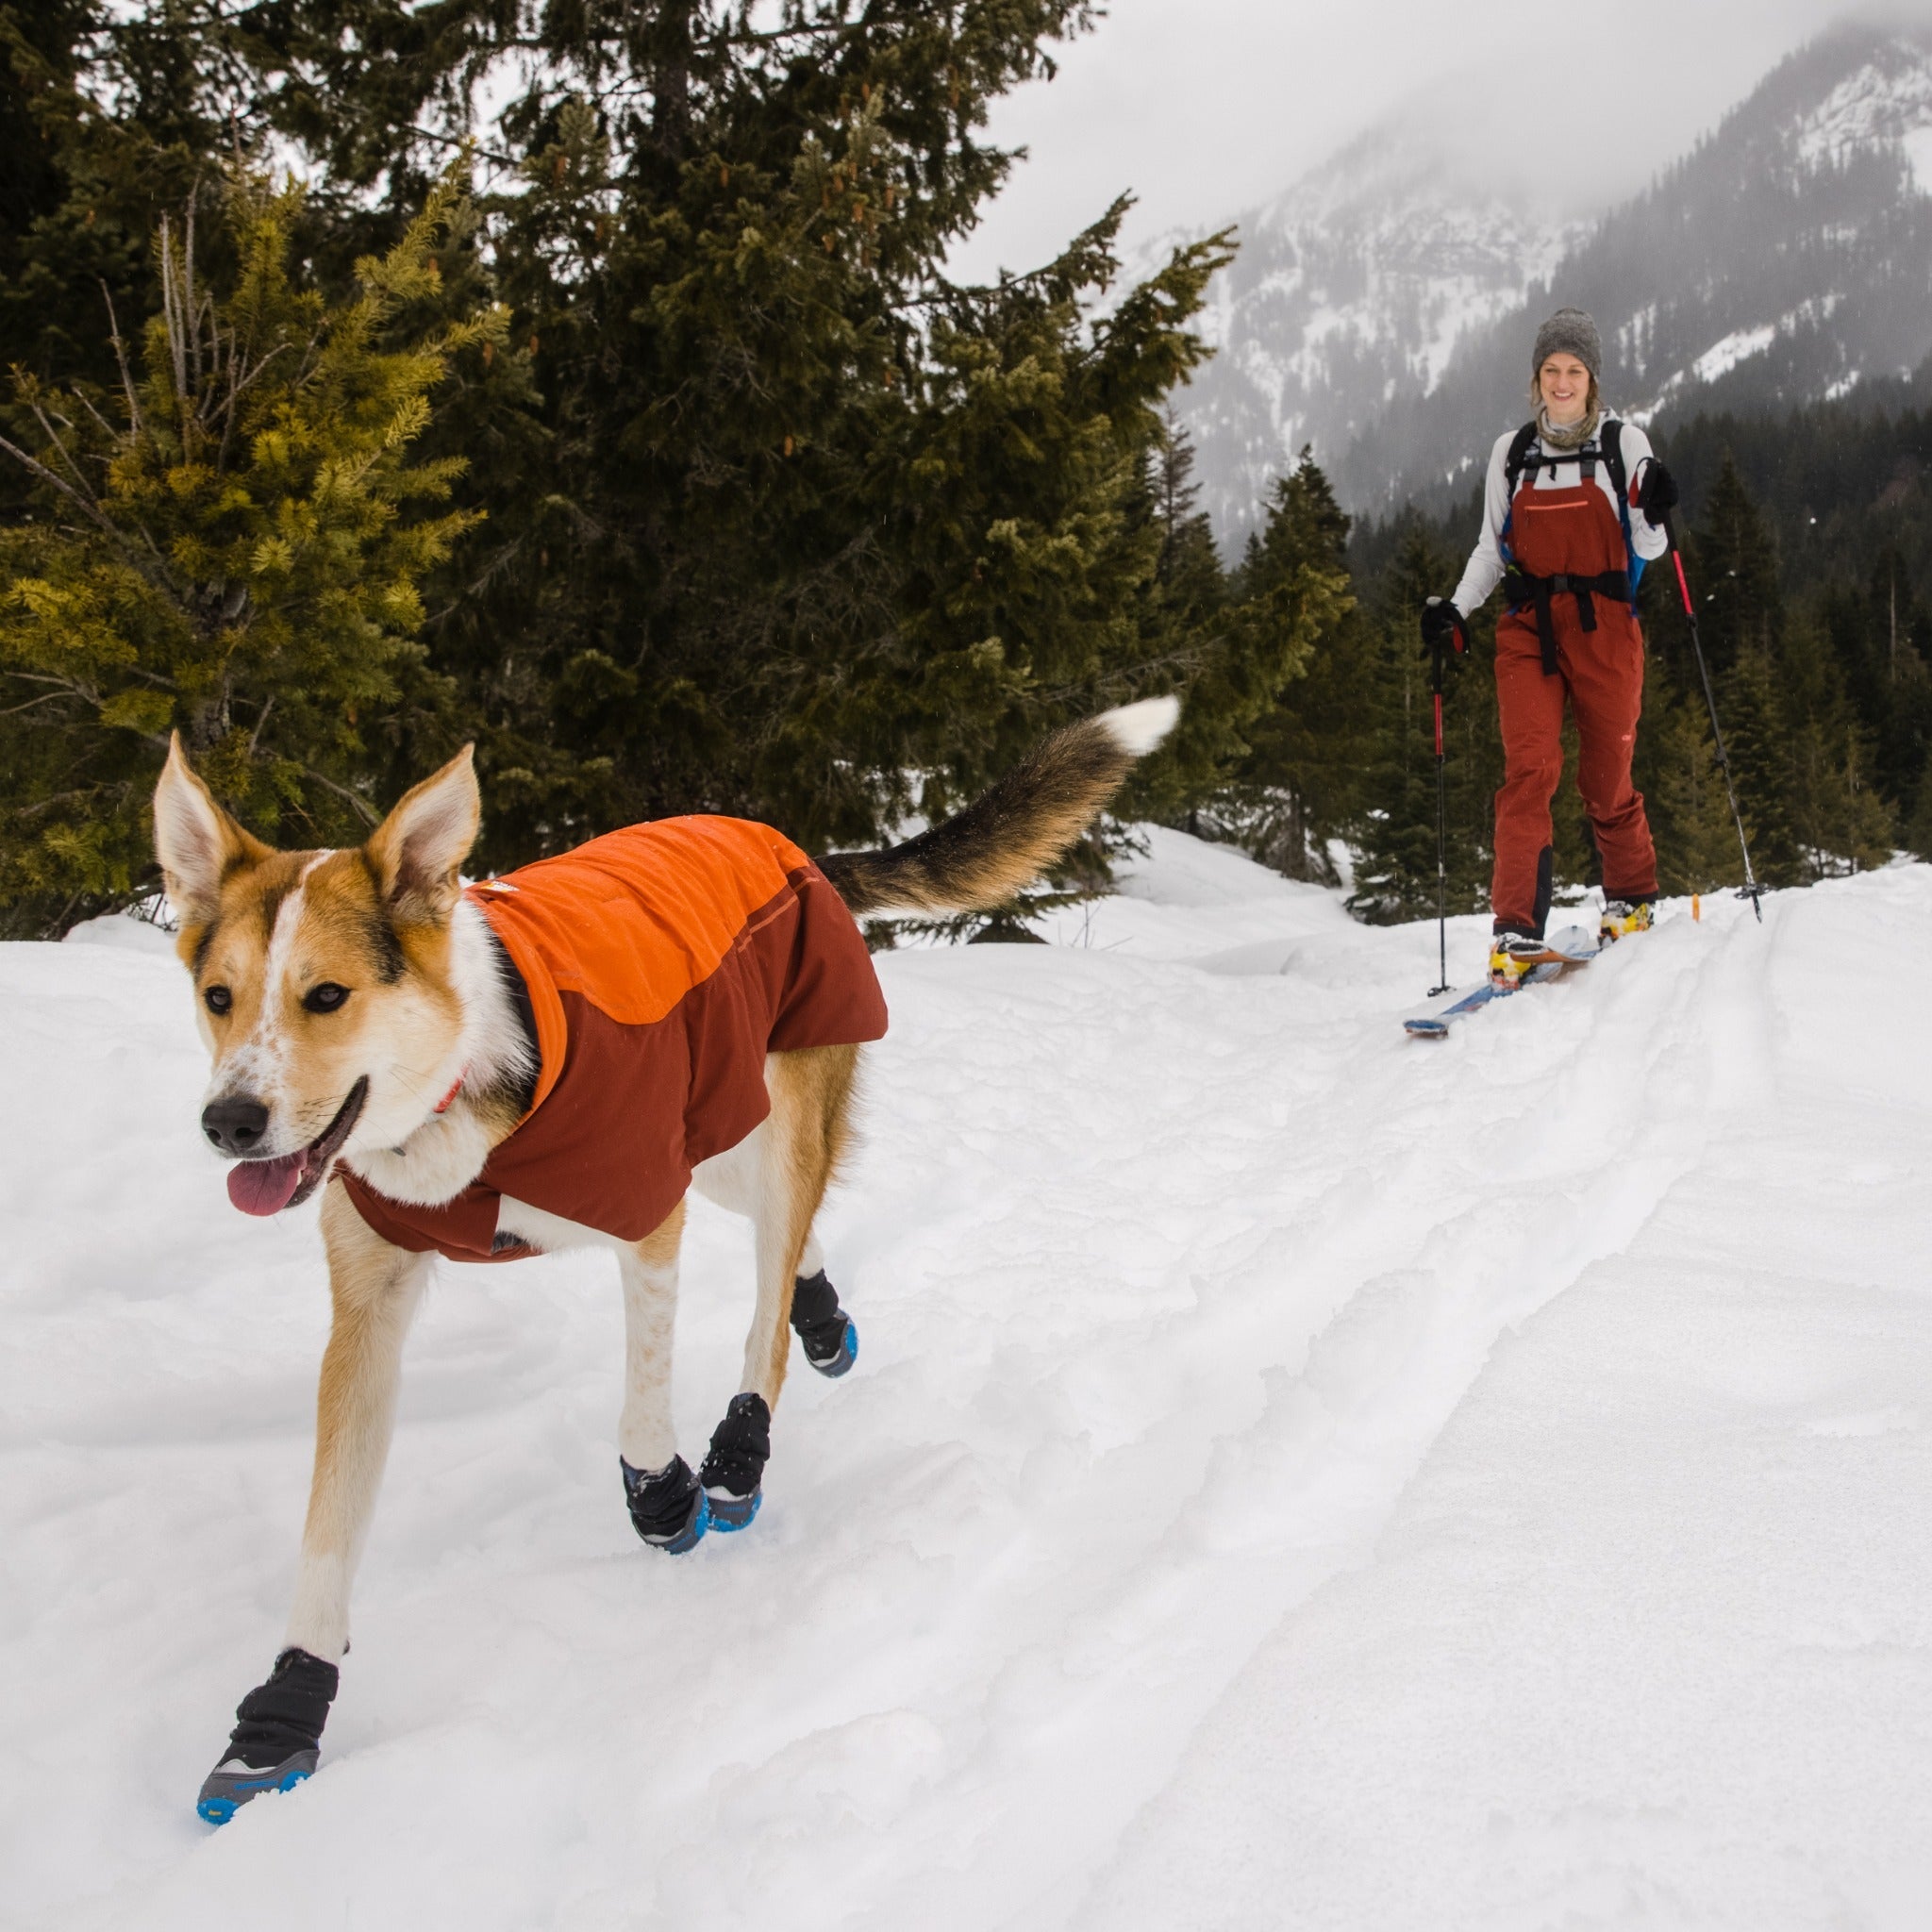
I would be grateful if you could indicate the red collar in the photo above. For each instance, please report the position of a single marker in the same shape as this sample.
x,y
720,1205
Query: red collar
x,y
456,1086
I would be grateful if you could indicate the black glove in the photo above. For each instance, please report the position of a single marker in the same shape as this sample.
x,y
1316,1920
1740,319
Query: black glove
x,y
1442,628
1657,492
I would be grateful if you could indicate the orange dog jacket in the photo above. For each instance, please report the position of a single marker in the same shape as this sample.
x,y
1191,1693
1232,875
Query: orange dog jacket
x,y
663,963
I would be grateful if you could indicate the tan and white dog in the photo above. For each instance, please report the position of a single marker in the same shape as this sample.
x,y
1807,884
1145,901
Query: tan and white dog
x,y
373,1036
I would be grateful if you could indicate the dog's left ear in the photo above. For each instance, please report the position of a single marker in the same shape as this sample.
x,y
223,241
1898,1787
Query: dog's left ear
x,y
416,851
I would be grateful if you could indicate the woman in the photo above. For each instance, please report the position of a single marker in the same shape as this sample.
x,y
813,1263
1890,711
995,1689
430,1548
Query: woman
x,y
1575,507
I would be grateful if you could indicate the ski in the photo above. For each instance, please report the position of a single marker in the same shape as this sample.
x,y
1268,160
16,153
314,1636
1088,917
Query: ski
x,y
1571,947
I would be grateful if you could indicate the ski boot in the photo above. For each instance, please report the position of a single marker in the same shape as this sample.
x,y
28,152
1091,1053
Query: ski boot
x,y
1622,916
278,1741
667,1508
830,1335
1513,956
734,1467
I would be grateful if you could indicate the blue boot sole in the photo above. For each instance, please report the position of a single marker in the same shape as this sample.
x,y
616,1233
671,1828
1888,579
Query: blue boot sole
x,y
730,1514
692,1534
218,1807
847,1353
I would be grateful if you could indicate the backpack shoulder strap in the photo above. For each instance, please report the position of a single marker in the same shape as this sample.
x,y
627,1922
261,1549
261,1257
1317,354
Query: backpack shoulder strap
x,y
1609,438
1518,459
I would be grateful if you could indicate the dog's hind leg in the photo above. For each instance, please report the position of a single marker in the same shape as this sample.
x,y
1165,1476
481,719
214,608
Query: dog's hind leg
x,y
827,1333
375,1289
787,1167
667,1504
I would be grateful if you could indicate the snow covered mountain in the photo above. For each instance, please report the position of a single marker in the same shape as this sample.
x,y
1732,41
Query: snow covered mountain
x,y
1788,257
1476,1485
1350,291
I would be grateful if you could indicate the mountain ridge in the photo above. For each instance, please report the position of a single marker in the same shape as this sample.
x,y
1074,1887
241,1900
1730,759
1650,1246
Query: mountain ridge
x,y
1382,313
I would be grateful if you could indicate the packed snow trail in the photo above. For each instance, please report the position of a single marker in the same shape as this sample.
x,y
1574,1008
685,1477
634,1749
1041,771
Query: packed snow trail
x,y
1293,1474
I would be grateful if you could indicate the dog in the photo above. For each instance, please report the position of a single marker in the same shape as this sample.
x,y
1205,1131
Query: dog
x,y
549,1060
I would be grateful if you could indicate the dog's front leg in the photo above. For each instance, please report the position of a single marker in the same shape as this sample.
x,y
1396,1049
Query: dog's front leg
x,y
375,1289
777,1175
667,1507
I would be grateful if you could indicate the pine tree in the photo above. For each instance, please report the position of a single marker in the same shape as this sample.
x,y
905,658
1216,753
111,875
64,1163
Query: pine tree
x,y
1758,738
1735,574
782,516
1395,843
1733,569
1873,633
1292,593
1300,786
235,555
1684,798
1839,821
108,118
1917,833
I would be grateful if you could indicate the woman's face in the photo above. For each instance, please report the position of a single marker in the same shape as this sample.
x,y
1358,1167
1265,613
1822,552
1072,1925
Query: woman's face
x,y
1565,385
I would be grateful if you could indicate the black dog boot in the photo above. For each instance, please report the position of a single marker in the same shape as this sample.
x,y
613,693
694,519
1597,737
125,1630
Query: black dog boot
x,y
829,1333
667,1510
278,1739
735,1466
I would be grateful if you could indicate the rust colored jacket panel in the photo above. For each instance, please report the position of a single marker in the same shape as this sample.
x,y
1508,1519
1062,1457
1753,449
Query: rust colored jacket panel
x,y
663,963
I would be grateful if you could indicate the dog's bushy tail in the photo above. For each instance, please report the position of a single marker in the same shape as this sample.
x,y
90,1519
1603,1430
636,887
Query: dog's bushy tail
x,y
982,856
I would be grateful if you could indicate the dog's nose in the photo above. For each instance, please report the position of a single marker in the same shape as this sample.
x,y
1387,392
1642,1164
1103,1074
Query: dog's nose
x,y
235,1126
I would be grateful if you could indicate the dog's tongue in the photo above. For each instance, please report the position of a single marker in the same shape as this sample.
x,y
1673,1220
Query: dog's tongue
x,y
263,1187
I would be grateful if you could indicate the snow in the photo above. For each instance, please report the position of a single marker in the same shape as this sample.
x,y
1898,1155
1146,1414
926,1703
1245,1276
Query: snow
x,y
1888,99
1293,1474
1738,346
1917,148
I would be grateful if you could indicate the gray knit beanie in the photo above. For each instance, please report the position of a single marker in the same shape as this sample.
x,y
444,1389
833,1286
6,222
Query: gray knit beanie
x,y
1570,331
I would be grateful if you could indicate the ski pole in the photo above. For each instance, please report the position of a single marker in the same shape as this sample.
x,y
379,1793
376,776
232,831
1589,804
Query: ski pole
x,y
1436,682
1751,888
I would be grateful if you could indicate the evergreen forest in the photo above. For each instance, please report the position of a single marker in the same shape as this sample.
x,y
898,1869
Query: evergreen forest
x,y
645,442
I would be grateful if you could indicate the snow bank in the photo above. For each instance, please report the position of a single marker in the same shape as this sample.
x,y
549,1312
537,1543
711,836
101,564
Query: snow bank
x,y
1294,1475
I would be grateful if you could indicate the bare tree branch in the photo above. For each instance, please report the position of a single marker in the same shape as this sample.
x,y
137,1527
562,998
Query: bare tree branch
x,y
364,810
46,475
121,356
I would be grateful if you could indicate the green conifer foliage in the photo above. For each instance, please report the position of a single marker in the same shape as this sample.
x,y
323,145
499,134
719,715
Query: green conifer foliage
x,y
230,547
780,518
1296,783
1395,846
109,116
1293,592
1677,770
1733,560
1875,632
1838,819
1758,739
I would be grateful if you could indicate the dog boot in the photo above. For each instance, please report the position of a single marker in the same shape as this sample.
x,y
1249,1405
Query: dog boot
x,y
735,1466
668,1508
829,1333
278,1739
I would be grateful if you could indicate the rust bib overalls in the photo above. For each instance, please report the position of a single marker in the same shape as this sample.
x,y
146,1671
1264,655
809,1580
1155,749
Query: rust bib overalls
x,y
1567,636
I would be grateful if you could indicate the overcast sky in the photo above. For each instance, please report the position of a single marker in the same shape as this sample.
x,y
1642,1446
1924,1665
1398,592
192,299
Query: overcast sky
x,y
1205,107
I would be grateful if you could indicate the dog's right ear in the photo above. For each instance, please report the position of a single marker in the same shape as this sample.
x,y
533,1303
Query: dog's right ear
x,y
196,841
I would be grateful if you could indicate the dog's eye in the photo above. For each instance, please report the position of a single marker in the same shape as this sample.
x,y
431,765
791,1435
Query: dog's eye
x,y
217,999
324,998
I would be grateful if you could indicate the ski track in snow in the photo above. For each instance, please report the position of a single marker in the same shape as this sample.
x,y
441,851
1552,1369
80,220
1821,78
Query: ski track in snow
x,y
1293,1474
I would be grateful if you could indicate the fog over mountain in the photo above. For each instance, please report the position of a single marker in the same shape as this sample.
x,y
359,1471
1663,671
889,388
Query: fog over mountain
x,y
1382,310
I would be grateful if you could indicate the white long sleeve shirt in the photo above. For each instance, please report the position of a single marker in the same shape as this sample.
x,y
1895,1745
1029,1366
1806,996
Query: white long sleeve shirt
x,y
1485,568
